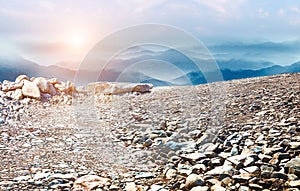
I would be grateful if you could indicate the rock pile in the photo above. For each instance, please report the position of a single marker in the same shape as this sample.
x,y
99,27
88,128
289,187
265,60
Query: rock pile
x,y
37,88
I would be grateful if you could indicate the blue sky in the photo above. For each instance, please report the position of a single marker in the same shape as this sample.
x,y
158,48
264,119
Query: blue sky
x,y
49,32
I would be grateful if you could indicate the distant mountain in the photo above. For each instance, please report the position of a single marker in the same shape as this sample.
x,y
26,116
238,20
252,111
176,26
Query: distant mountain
x,y
10,68
198,78
194,78
240,64
189,74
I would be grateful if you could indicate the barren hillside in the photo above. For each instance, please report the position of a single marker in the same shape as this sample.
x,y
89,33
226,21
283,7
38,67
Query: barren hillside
x,y
233,135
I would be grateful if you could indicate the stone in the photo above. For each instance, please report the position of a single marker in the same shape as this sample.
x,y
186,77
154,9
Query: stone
x,y
111,88
22,178
200,188
242,178
69,177
264,158
31,90
144,175
193,180
193,156
11,86
67,87
156,187
131,186
217,187
221,170
250,169
114,187
294,145
294,183
20,78
266,171
255,186
235,150
41,175
244,188
53,81
281,156
226,181
171,173
279,175
18,95
44,85
293,166
89,182
184,169
147,143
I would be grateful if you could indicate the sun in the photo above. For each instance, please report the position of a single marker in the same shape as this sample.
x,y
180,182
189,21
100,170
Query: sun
x,y
77,40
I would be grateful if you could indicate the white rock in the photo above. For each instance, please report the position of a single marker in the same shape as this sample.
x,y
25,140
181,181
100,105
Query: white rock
x,y
89,182
10,86
31,90
20,78
109,88
17,94
42,84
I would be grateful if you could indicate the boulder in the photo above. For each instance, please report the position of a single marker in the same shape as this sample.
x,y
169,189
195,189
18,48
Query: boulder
x,y
67,87
111,88
10,86
20,78
42,84
17,94
30,89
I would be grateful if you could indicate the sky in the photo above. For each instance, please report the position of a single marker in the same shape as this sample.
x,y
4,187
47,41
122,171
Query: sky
x,y
63,31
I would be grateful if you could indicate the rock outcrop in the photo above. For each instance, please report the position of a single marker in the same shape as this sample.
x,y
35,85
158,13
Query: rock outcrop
x,y
36,88
113,88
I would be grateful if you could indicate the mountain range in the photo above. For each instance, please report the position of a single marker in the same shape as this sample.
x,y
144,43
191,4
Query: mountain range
x,y
162,68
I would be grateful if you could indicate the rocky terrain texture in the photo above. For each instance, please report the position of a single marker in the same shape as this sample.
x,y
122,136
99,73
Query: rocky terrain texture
x,y
53,137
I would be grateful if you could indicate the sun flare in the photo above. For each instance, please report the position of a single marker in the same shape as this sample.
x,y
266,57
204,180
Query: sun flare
x,y
77,40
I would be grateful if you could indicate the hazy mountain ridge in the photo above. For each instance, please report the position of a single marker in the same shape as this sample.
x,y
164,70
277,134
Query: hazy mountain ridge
x,y
11,68
230,69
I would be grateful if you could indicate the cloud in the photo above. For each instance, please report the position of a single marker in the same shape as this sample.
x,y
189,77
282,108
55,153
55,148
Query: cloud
x,y
144,6
295,22
295,9
282,12
224,8
263,13
49,5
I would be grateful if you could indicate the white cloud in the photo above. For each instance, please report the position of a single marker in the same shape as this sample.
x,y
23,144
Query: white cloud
x,y
263,13
295,22
49,5
282,12
223,9
295,9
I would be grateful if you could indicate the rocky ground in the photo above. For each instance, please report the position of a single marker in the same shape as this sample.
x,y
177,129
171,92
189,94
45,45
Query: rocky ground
x,y
235,135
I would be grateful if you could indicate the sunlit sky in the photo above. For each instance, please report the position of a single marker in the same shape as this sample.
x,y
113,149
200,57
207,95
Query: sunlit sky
x,y
63,31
